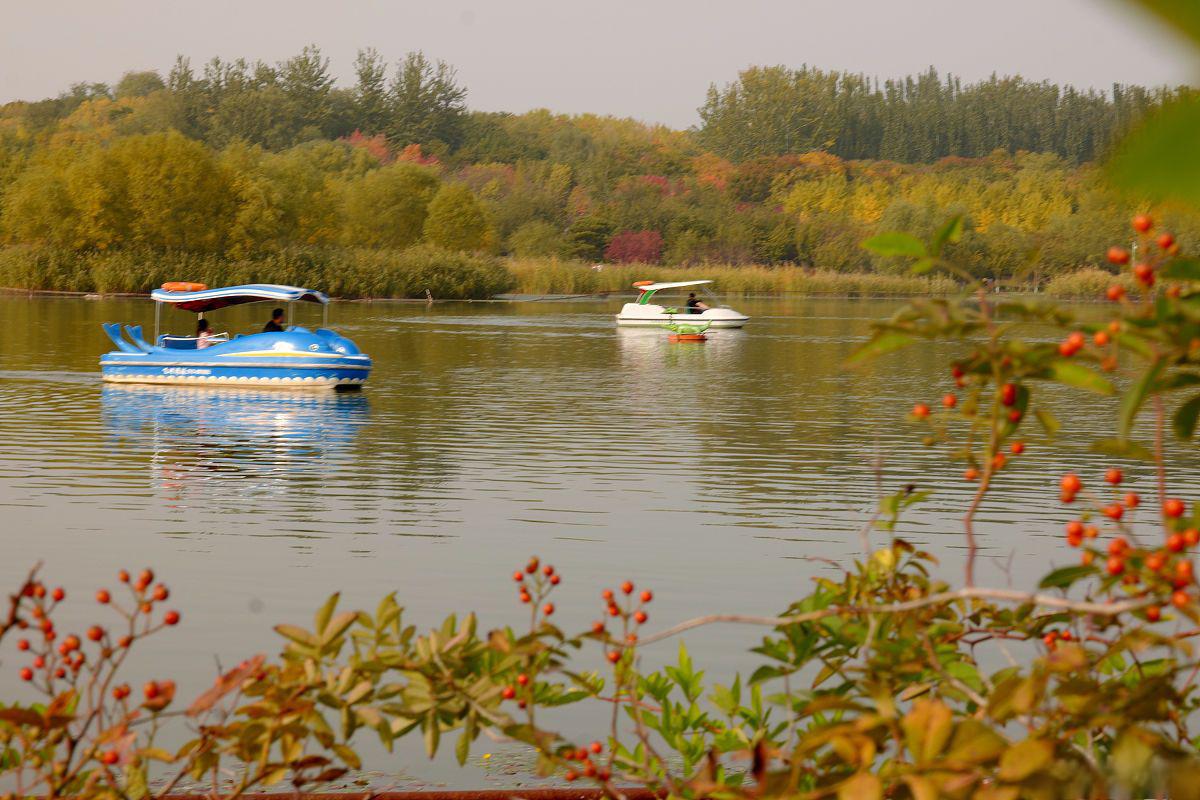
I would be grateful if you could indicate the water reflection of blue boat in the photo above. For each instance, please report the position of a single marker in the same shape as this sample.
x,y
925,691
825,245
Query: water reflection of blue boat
x,y
292,358
232,416
204,444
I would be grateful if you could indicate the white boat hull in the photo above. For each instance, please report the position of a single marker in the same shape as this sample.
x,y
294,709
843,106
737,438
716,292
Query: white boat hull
x,y
647,316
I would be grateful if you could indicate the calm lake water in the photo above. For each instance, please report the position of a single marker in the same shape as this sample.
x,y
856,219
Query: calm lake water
x,y
716,474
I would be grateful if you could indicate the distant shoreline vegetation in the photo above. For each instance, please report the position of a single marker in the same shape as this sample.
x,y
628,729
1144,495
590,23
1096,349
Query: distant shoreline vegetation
x,y
236,171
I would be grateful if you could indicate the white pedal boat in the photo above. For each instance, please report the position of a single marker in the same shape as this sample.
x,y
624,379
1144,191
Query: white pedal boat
x,y
643,313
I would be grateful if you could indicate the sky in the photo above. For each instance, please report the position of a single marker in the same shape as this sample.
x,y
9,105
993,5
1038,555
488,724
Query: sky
x,y
648,59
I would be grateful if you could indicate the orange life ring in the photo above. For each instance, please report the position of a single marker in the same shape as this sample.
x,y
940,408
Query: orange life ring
x,y
640,284
183,286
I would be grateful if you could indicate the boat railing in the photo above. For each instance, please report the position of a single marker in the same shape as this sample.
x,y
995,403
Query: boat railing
x,y
188,342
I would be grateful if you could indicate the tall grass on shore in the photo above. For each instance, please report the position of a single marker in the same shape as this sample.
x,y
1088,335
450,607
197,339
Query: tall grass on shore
x,y
447,275
342,272
549,276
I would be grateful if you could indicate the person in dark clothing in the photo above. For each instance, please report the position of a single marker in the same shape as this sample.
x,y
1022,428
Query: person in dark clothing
x,y
695,306
275,325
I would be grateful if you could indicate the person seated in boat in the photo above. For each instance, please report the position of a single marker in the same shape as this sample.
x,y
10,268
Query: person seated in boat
x,y
204,335
275,324
694,305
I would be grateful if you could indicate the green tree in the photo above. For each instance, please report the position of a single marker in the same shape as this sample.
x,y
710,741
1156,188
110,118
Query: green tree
x,y
536,239
139,84
371,100
388,207
425,104
456,220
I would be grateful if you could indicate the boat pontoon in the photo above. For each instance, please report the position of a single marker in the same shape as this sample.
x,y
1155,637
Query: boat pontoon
x,y
643,312
293,358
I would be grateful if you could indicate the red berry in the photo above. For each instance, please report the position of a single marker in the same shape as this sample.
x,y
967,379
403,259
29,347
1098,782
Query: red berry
x,y
110,757
1173,508
971,474
639,617
23,644
146,577
161,593
39,662
548,609
58,594
1008,394
1117,546
999,460
123,576
1070,483
547,570
1017,448
39,590
1114,511
570,776
920,411
1153,613
508,693
949,401
1154,562
1174,542
1132,500
1115,292
525,598
1166,241
1180,599
1192,537
614,656
627,587
150,690
95,633
1118,255
1142,223
554,579
598,627
1144,273
647,596
171,618
1114,476
518,576
523,679
607,594
121,692
60,673
596,747
1091,531
103,597
1101,338
613,611
1075,528
1115,565
1184,569
26,674
125,641
532,566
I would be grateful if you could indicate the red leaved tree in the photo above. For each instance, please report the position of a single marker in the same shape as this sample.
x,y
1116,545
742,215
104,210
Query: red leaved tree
x,y
635,247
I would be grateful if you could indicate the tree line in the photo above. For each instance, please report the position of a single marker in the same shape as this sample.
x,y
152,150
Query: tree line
x,y
241,160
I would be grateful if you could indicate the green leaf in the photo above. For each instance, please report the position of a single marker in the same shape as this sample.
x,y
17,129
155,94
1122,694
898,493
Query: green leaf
x,y
922,266
1182,269
950,233
1182,15
1025,758
860,786
1184,421
1159,159
1135,397
878,345
1065,576
326,611
1071,373
1049,422
895,243
297,634
1123,448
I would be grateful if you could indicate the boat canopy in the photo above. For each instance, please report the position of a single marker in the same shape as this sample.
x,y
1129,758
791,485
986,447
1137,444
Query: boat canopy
x,y
212,299
654,287
648,288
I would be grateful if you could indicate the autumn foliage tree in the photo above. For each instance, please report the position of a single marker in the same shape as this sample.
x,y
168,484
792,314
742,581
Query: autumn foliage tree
x,y
635,247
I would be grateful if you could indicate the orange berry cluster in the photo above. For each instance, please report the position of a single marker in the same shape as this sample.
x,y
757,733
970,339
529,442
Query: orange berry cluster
x,y
1143,271
587,767
1166,568
65,660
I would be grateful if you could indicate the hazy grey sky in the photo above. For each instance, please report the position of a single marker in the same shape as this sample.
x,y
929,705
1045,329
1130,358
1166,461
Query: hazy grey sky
x,y
650,59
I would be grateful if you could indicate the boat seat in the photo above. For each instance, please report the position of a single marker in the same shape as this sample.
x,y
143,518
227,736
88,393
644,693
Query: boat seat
x,y
178,342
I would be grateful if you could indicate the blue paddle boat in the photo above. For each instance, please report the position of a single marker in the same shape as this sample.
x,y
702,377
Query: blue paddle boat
x,y
292,358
